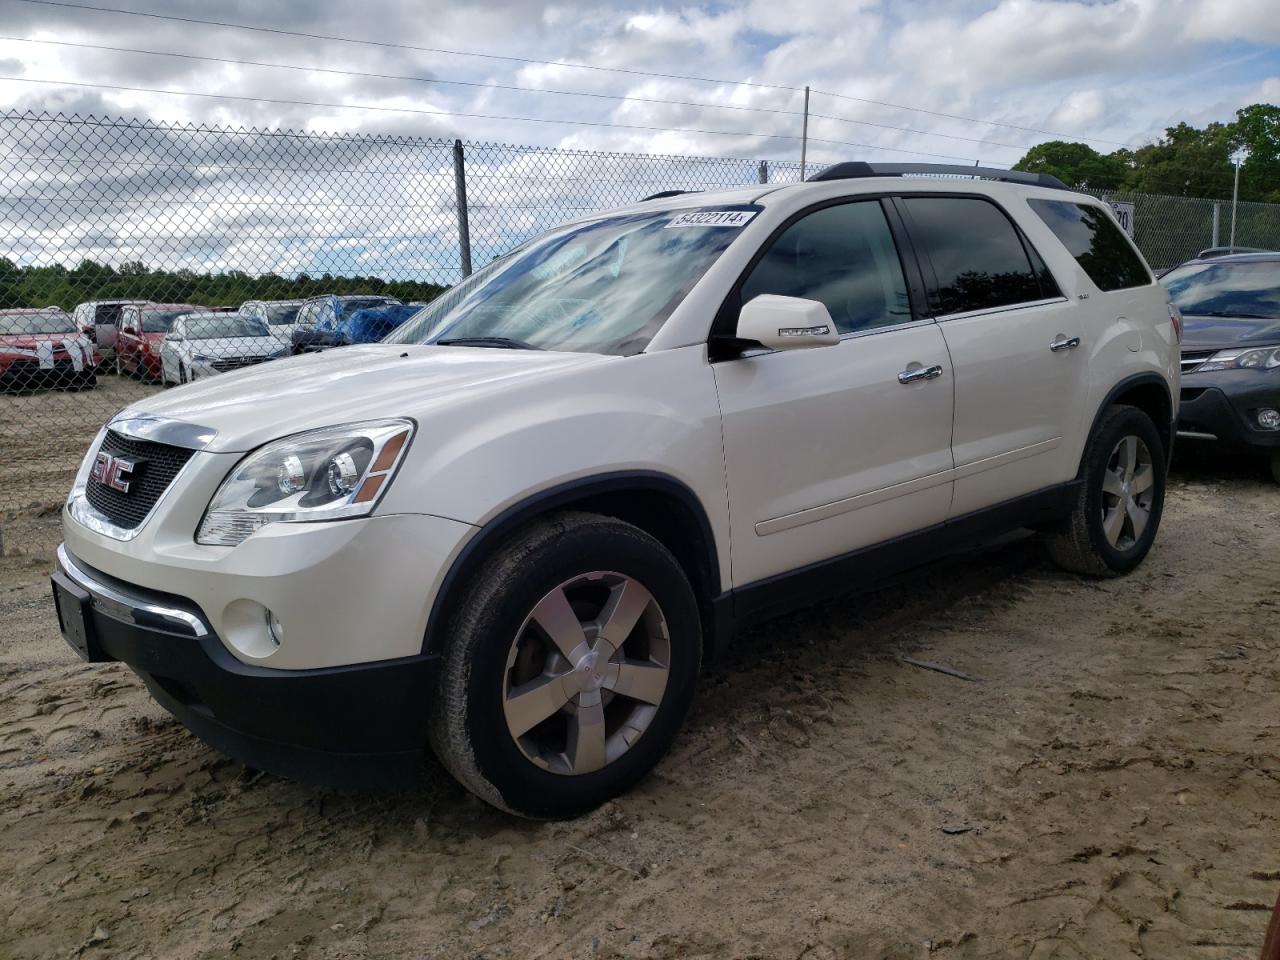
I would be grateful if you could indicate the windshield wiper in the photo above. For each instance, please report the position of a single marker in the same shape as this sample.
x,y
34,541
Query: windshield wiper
x,y
507,343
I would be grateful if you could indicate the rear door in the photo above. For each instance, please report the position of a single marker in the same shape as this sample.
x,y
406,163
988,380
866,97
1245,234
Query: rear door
x,y
828,449
1014,342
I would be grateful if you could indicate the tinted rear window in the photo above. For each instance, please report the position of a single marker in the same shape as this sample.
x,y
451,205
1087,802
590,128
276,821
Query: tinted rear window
x,y
1098,245
977,255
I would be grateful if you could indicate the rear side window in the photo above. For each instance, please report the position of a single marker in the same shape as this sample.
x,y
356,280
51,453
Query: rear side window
x,y
977,254
1093,238
843,256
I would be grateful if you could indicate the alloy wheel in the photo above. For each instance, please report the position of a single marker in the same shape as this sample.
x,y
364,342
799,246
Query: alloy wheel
x,y
586,673
1128,491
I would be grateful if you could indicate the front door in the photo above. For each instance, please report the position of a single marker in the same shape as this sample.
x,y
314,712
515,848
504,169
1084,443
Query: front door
x,y
827,449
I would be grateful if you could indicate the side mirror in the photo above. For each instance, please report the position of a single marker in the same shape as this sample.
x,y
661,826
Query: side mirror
x,y
787,323
130,330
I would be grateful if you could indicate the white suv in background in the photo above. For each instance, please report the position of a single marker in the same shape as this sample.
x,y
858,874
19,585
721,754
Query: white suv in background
x,y
515,529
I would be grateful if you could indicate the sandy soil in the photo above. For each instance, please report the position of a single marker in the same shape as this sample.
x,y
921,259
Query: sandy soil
x,y
1110,787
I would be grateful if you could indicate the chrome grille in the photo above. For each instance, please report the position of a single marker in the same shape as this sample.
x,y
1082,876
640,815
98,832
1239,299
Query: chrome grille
x,y
1191,359
157,465
235,363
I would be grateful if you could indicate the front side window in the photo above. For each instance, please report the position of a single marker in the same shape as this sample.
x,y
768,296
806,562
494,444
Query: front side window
x,y
1243,289
977,255
601,287
161,320
1099,246
843,256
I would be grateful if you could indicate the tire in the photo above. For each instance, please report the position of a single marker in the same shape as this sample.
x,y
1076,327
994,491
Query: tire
x,y
1101,538
1275,466
182,374
495,649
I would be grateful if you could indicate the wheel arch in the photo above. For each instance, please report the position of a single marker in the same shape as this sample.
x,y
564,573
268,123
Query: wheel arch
x,y
1150,393
657,503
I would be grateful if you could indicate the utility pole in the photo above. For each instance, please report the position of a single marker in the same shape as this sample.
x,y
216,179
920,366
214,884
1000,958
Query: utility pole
x,y
804,135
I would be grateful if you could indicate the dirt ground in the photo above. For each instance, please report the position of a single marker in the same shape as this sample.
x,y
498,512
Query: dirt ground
x,y
1109,787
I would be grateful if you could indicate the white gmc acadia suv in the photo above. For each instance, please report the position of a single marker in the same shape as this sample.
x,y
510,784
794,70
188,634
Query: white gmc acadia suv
x,y
515,529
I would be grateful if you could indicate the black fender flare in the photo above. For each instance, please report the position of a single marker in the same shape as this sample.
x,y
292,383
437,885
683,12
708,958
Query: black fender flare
x,y
493,531
1128,383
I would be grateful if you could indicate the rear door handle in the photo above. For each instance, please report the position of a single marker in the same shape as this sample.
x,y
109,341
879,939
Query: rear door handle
x,y
1064,343
920,373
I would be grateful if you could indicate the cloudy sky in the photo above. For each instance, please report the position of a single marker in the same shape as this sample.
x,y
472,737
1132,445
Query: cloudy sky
x,y
1114,72
915,79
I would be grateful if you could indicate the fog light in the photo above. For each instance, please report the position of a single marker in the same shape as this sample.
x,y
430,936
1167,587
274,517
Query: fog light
x,y
275,629
1269,419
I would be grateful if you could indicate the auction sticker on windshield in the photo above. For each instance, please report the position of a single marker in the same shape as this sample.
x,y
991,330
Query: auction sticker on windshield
x,y
713,218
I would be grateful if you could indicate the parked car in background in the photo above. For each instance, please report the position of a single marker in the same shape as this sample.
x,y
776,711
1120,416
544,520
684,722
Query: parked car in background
x,y
280,316
1230,351
515,529
1210,253
366,325
142,330
44,347
100,319
202,344
327,311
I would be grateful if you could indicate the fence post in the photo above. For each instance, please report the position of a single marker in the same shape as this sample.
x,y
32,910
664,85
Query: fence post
x,y
763,171
1217,220
460,189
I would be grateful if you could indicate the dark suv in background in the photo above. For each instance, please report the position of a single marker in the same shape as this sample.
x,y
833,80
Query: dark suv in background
x,y
1230,351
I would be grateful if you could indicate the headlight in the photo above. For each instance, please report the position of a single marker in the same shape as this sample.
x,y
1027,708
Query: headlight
x,y
1265,358
154,347
328,474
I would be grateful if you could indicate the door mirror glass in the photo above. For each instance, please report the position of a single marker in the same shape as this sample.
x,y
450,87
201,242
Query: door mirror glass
x,y
787,323
130,329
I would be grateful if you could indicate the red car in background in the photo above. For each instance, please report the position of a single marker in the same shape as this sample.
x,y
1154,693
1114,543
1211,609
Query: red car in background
x,y
42,346
142,328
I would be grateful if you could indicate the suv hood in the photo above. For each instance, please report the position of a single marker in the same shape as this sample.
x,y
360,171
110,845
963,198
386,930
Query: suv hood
x,y
1224,333
252,406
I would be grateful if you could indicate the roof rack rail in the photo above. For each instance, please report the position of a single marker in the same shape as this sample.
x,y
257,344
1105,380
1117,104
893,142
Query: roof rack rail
x,y
663,194
856,169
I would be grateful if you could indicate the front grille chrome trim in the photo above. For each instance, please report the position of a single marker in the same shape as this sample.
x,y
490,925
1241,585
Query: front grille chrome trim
x,y
175,433
119,605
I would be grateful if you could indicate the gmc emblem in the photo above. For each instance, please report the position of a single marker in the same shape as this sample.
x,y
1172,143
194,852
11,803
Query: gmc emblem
x,y
113,472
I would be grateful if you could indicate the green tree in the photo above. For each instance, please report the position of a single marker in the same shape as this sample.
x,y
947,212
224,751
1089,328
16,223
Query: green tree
x,y
1075,164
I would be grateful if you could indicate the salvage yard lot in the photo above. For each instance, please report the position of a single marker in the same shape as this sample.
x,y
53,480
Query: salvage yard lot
x,y
1110,787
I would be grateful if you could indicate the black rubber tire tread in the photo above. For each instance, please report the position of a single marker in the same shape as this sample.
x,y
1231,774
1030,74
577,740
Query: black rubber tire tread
x,y
1078,545
464,731
1275,466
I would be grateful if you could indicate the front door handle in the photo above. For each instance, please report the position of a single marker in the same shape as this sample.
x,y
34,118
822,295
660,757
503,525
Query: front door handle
x,y
1064,343
920,373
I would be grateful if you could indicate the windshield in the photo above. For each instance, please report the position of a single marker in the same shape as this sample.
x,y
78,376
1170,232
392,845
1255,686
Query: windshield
x,y
214,326
37,321
160,320
600,287
281,313
1226,289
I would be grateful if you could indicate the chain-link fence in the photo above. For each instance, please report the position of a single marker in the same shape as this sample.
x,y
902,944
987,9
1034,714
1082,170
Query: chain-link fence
x,y
136,254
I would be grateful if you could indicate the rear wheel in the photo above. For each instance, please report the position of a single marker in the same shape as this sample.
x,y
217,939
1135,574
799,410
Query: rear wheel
x,y
1118,506
571,664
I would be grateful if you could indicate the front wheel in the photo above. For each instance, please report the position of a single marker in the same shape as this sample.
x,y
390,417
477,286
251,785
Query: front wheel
x,y
1118,506
571,663
1275,466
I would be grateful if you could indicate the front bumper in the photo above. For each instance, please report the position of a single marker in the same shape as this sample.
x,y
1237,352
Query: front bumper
x,y
360,726
24,374
1223,406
